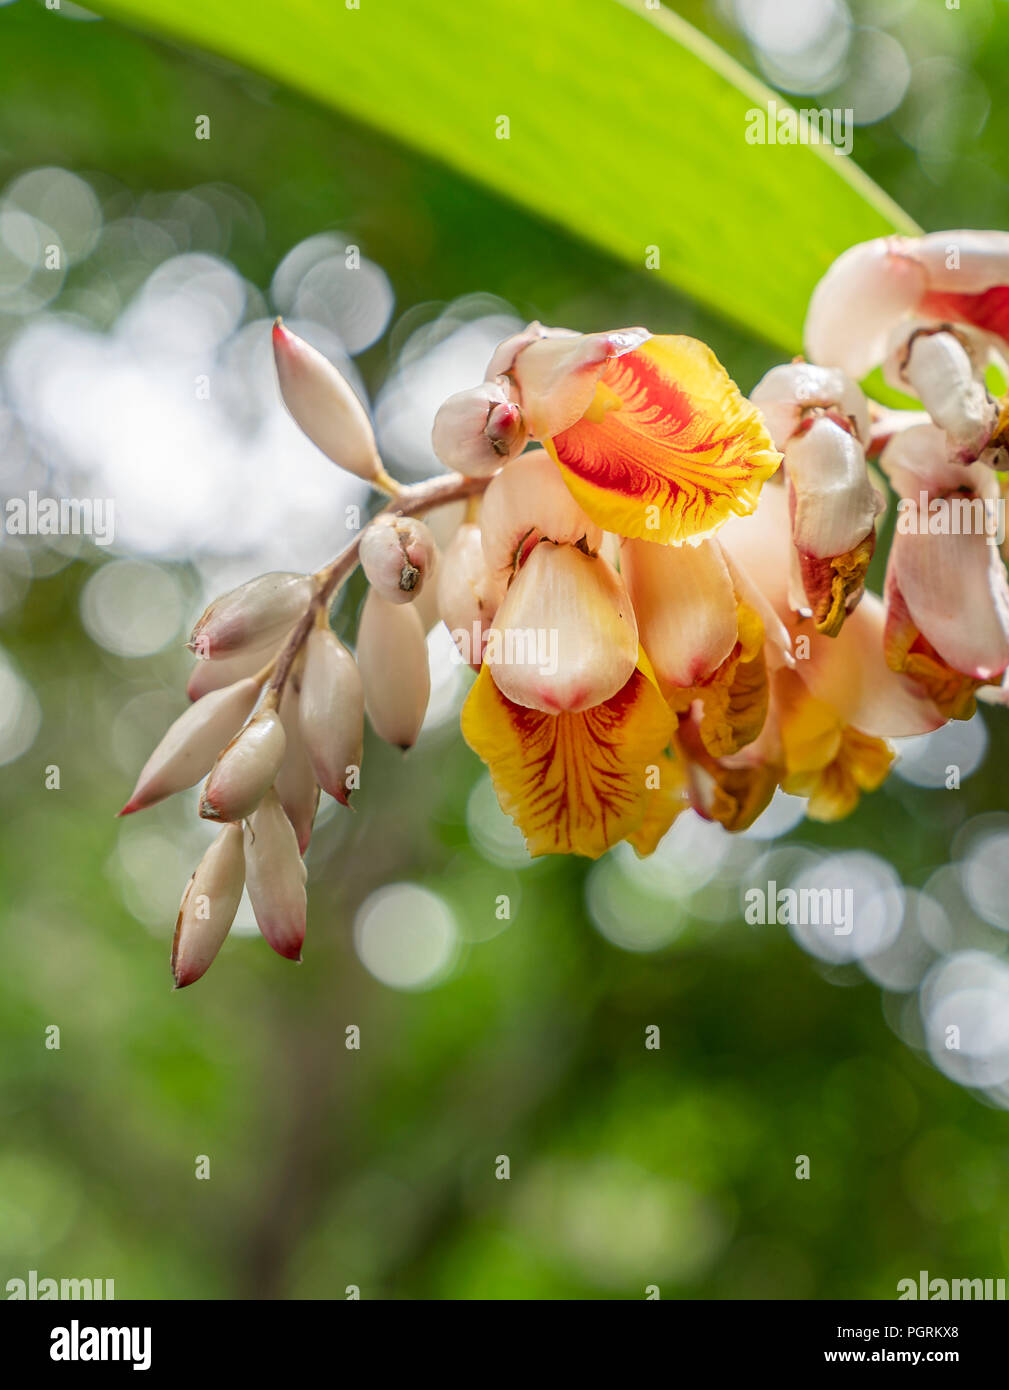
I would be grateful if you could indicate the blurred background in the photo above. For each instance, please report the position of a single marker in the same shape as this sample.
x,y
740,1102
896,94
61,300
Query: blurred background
x,y
135,366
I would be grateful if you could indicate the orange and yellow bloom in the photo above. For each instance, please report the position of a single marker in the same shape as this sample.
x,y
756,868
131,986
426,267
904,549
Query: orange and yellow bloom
x,y
646,440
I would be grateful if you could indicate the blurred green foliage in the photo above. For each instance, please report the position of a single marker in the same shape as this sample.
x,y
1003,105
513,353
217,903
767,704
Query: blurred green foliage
x,y
332,1167
647,159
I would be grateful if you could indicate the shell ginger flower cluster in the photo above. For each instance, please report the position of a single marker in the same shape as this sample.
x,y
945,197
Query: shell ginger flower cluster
x,y
659,583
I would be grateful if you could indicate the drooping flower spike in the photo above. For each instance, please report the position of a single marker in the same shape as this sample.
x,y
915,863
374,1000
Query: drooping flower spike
x,y
656,622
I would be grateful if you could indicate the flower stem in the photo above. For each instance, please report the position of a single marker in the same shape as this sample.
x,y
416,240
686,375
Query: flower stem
x,y
408,501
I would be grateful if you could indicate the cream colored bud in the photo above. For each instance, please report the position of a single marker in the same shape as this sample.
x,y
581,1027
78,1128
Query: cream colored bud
x,y
565,637
854,308
392,657
325,406
245,770
252,616
950,385
686,606
556,375
507,351
296,785
426,604
479,430
275,873
834,505
786,394
468,594
215,675
188,749
981,260
208,906
332,712
397,554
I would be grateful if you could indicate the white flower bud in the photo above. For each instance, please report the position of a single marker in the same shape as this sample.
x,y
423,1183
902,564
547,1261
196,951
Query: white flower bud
x,y
215,675
565,638
834,504
686,607
468,594
950,386
853,309
245,770
208,906
332,711
392,657
296,785
276,877
325,406
787,392
479,430
982,260
188,749
426,604
251,616
397,554
556,375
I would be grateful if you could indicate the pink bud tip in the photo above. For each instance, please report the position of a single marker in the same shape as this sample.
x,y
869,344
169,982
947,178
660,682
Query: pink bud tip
x,y
131,806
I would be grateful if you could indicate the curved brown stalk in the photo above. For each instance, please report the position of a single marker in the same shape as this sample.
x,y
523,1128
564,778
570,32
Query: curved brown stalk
x,y
409,501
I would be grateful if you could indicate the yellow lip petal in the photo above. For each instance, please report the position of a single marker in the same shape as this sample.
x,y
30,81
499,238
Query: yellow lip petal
x,y
734,698
666,796
669,448
826,760
732,795
574,783
810,728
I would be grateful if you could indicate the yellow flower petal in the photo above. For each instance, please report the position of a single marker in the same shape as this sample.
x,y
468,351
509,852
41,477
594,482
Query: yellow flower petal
x,y
574,783
826,760
835,585
732,796
734,699
663,803
810,728
668,448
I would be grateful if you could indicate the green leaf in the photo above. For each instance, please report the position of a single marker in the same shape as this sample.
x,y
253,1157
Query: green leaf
x,y
625,127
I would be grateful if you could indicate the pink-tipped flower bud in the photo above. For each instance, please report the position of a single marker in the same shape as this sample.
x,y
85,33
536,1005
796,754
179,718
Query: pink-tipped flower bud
x,y
565,638
397,555
477,431
246,769
276,875
208,907
392,657
188,749
251,616
325,406
296,785
332,713
215,675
